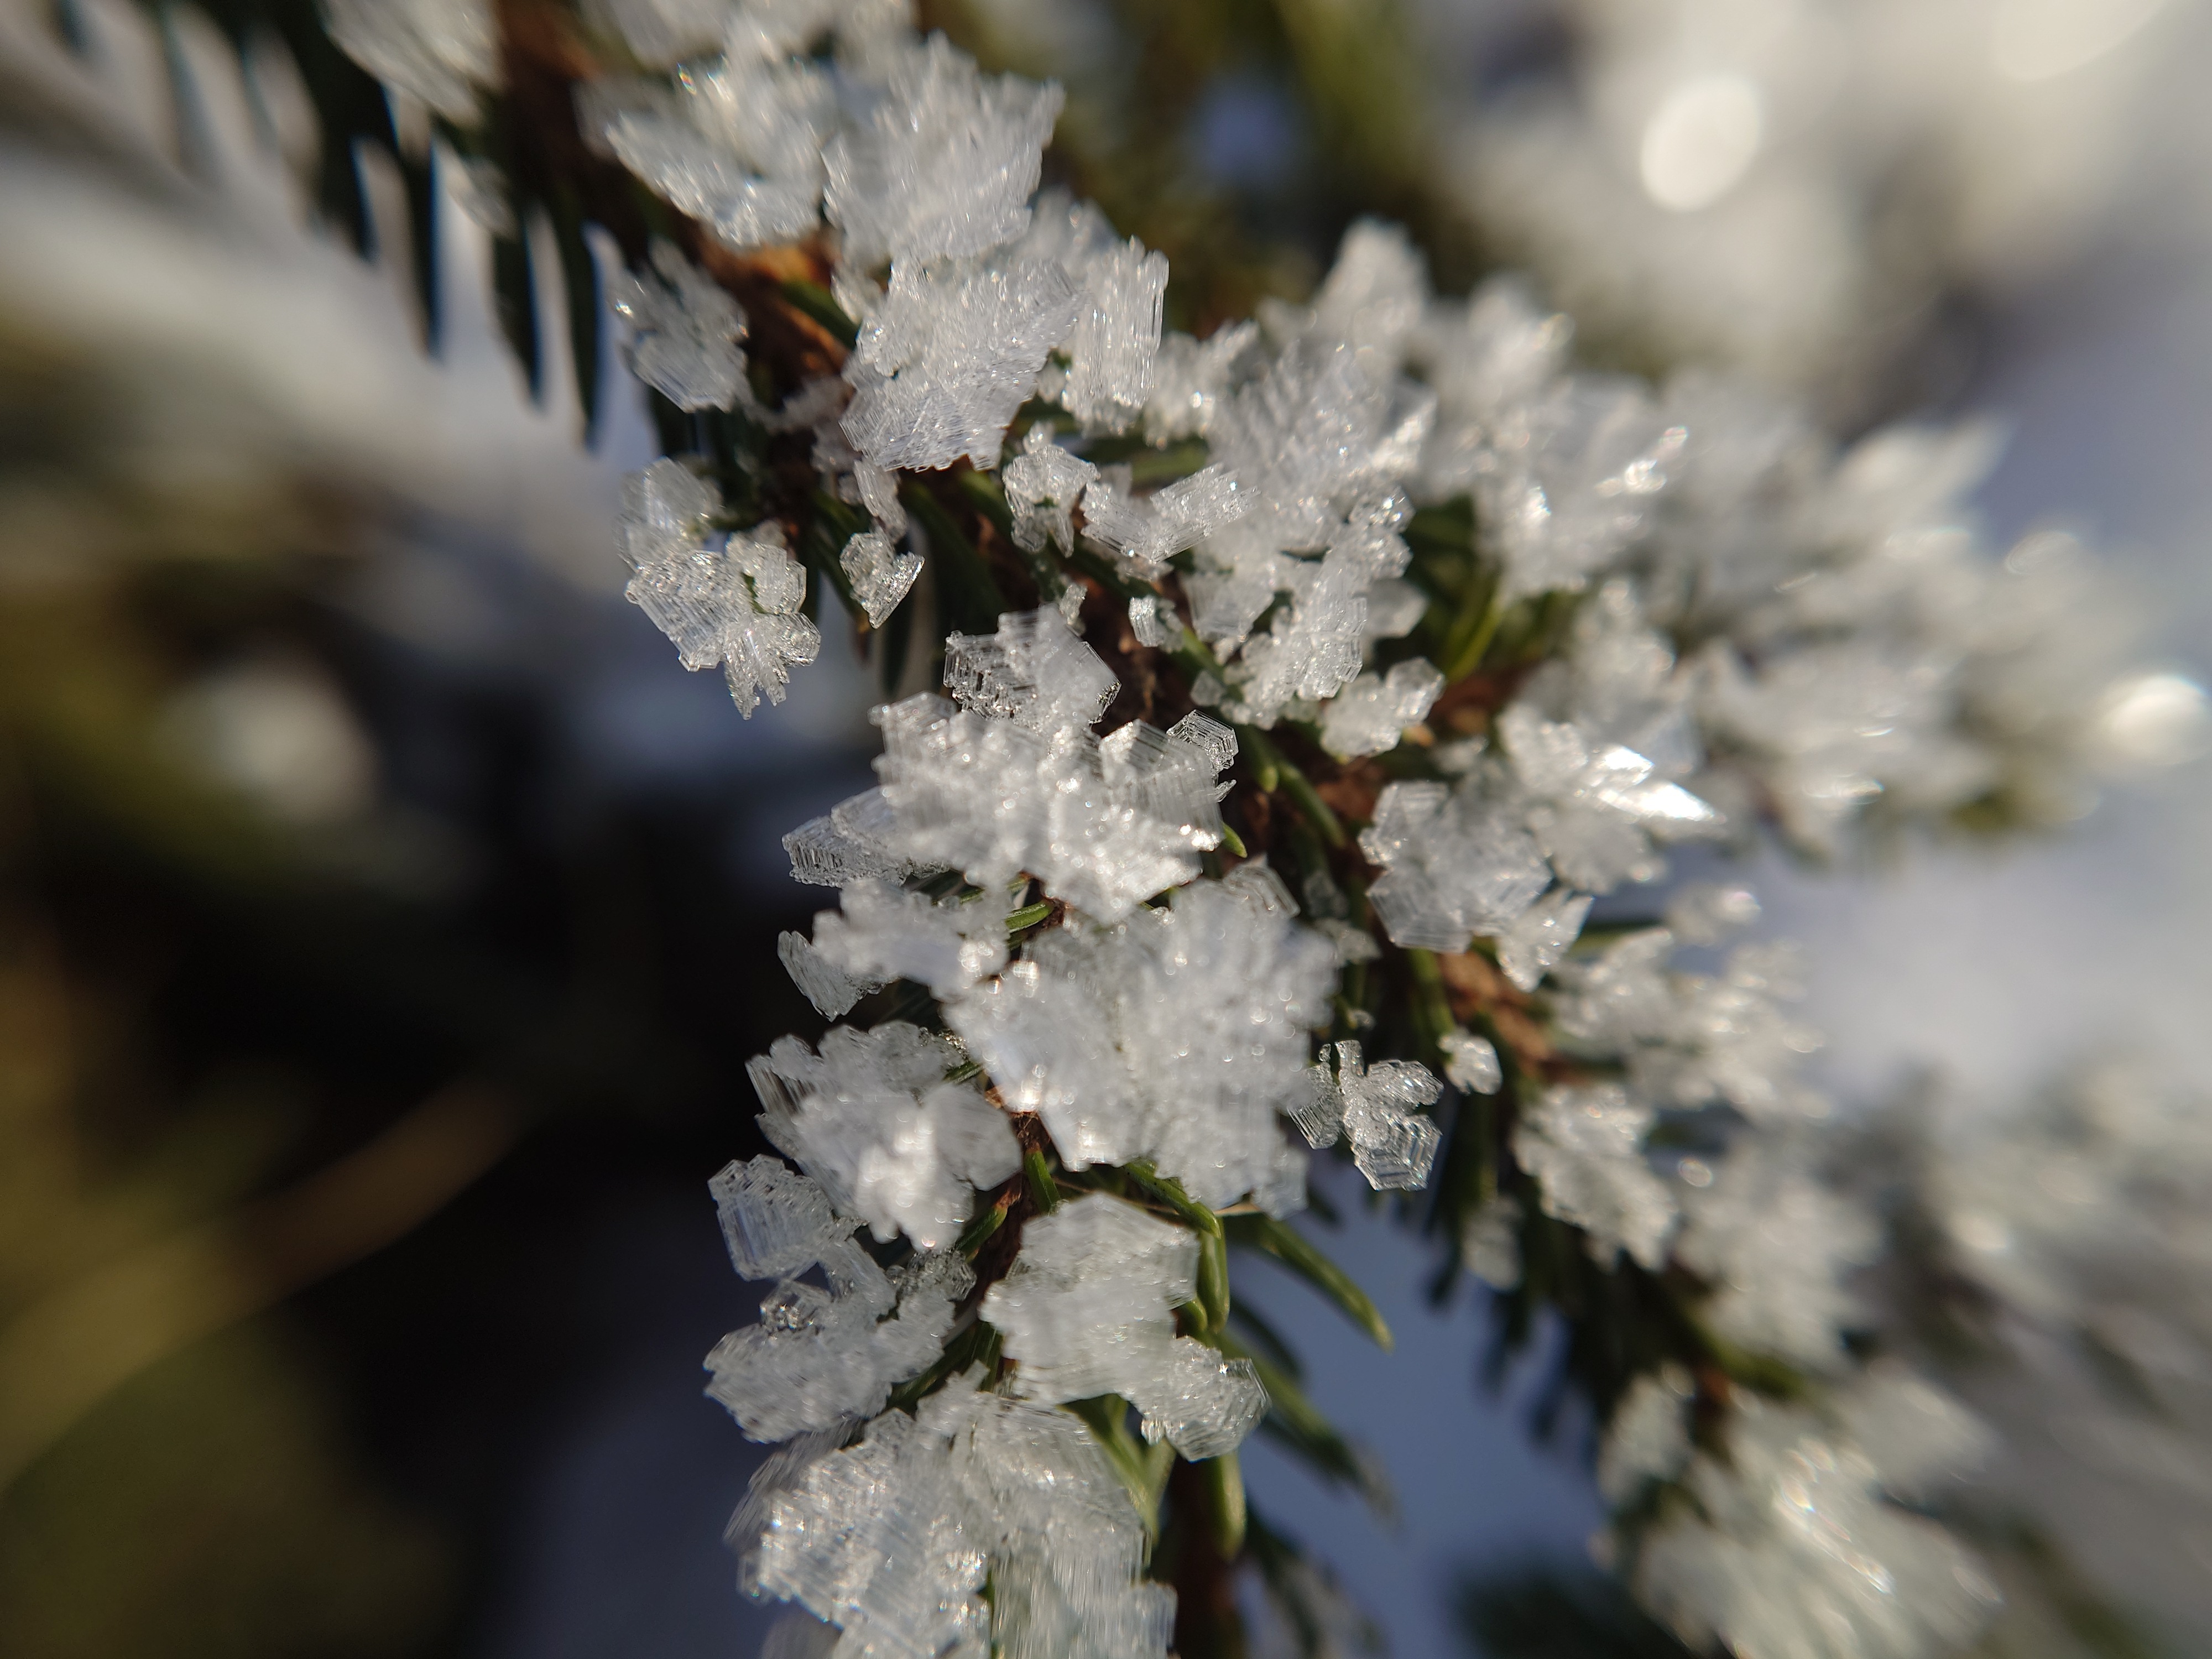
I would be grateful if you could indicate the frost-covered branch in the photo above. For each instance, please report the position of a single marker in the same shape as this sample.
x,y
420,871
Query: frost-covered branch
x,y
1311,686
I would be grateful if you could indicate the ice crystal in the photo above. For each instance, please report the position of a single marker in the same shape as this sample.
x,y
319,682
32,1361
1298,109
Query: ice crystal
x,y
1034,671
736,605
1369,715
1776,1245
685,332
1315,644
851,843
1584,1145
1540,935
1153,620
874,1122
1145,533
1471,1062
883,933
1191,379
1088,1309
1014,780
1314,431
1456,863
939,370
1571,481
1691,1039
1109,376
1176,1037
1485,357
818,1357
438,51
1793,1536
1375,1108
893,1539
881,576
831,990
1043,483
1597,741
1374,298
741,149
944,166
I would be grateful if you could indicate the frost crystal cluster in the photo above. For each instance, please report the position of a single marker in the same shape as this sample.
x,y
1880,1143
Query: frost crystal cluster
x,y
1322,702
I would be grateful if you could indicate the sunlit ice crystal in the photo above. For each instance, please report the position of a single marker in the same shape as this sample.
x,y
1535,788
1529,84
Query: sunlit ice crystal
x,y
1147,532
685,332
1313,648
892,1539
820,1355
854,840
667,510
1153,620
1691,1040
939,372
872,1119
881,576
1776,1247
1313,431
741,151
883,933
749,595
1377,1107
1014,780
1540,935
1238,572
776,1221
1177,1037
1832,728
1585,1145
945,165
994,798
1730,1038
440,50
1471,1062
1792,1533
1369,715
831,990
1598,740
1315,644
1117,332
1043,483
1374,297
1088,1309
1191,379
736,605
1456,863
1034,671
1568,480
1493,354
872,1539
1614,998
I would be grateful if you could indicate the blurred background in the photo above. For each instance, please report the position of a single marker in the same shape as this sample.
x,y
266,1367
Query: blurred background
x,y
386,917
